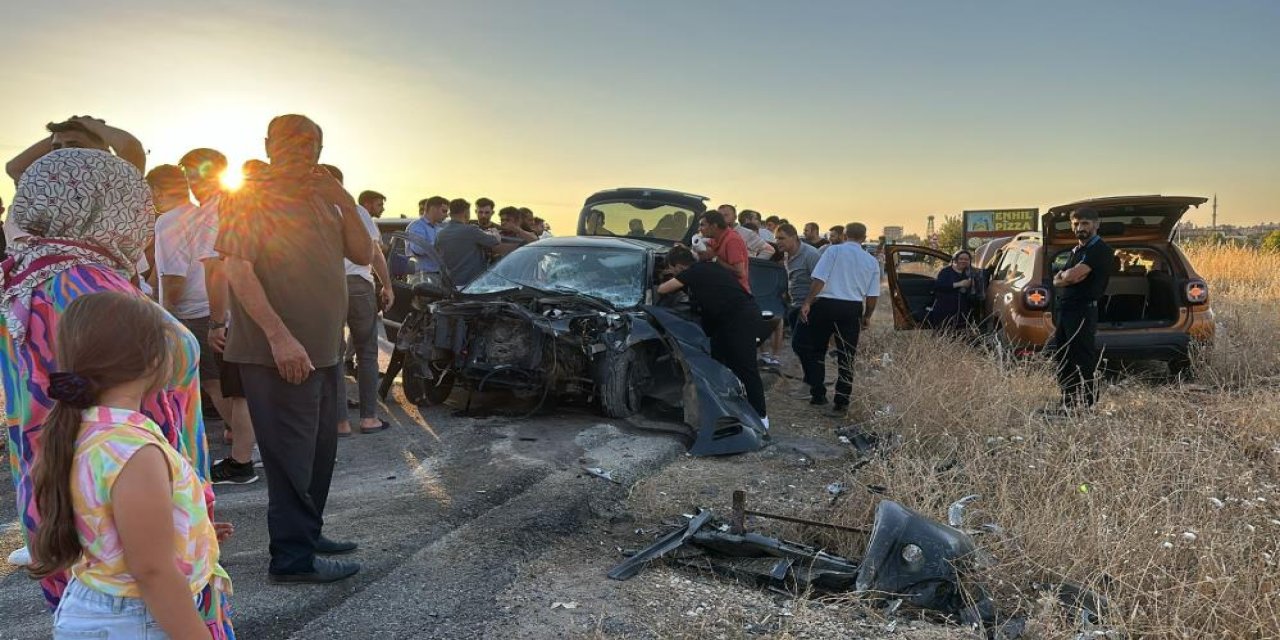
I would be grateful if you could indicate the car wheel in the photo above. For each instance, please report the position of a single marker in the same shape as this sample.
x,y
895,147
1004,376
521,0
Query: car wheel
x,y
427,391
621,383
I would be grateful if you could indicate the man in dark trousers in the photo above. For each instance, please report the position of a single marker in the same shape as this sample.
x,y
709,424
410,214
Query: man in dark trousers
x,y
730,317
1080,285
283,236
841,300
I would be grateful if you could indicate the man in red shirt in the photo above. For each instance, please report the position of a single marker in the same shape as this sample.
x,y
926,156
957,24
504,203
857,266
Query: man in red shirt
x,y
726,246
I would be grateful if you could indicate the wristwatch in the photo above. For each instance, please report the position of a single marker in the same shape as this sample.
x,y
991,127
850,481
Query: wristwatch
x,y
214,326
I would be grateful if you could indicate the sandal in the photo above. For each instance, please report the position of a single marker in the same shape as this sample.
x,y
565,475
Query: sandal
x,y
382,427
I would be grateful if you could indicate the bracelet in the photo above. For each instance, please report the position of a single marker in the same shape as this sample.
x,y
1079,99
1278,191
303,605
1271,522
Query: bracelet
x,y
214,326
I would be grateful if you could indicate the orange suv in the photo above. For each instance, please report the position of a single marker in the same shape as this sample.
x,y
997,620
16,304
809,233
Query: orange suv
x,y
1155,307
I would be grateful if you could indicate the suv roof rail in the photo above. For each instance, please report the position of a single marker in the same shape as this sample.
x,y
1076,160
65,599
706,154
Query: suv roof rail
x,y
1029,235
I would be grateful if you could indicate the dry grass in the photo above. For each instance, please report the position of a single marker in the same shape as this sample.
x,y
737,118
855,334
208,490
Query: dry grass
x,y
1165,499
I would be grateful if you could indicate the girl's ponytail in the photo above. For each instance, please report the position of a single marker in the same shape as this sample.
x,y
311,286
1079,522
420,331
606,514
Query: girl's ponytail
x,y
56,545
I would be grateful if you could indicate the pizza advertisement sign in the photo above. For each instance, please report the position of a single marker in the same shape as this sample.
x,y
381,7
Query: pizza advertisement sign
x,y
984,225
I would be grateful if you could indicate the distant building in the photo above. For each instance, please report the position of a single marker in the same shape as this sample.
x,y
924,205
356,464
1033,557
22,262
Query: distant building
x,y
893,234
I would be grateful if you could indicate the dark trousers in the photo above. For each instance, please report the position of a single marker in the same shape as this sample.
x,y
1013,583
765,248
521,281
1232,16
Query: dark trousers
x,y
843,319
362,320
733,344
810,357
1077,354
297,429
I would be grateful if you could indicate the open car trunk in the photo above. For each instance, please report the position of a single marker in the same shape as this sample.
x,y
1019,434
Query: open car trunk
x,y
1139,301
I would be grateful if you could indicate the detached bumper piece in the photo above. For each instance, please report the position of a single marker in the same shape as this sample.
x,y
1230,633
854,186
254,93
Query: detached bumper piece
x,y
909,558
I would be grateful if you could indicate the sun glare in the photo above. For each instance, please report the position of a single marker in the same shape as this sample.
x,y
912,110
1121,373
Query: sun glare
x,y
232,178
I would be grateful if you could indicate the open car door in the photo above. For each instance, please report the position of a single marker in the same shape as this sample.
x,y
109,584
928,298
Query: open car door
x,y
912,272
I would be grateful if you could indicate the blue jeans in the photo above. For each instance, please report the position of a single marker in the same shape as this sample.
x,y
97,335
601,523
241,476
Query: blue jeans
x,y
85,613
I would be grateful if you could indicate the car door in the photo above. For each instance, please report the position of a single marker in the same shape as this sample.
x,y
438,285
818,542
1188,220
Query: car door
x,y
912,272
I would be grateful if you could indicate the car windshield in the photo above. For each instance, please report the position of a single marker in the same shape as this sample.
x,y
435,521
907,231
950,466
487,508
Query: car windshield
x,y
638,219
614,275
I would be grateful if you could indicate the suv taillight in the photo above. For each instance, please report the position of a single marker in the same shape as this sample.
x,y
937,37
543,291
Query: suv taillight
x,y
1196,291
1036,297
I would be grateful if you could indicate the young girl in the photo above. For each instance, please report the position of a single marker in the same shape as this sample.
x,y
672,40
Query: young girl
x,y
111,489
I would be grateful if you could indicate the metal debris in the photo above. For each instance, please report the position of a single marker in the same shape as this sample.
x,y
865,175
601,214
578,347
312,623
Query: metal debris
x,y
601,473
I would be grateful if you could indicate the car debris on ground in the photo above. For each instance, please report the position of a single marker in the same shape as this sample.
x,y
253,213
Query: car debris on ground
x,y
911,563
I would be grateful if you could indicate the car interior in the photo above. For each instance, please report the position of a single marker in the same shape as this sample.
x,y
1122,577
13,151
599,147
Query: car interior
x,y
1142,291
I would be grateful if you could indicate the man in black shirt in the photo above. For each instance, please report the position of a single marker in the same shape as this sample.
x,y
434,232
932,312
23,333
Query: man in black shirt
x,y
1080,285
730,317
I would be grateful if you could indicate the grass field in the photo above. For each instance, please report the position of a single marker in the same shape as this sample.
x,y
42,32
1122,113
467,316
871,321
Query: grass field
x,y
1165,500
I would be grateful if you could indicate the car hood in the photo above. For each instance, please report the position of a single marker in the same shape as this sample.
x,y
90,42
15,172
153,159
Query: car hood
x,y
1149,218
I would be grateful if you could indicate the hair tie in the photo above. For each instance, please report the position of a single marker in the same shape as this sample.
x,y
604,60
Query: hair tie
x,y
71,388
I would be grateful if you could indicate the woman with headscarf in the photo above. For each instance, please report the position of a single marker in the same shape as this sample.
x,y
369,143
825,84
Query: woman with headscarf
x,y
954,293
89,215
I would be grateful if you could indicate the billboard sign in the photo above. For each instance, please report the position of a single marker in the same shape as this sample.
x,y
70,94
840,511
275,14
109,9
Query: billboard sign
x,y
984,225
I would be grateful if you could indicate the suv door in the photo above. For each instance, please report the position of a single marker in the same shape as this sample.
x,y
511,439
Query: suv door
x,y
912,272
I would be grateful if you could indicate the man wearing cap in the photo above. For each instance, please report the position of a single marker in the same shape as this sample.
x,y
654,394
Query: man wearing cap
x,y
283,236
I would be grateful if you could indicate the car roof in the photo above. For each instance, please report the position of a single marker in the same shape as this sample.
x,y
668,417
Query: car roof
x,y
687,200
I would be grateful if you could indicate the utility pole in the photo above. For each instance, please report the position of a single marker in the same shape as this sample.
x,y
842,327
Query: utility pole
x,y
1215,212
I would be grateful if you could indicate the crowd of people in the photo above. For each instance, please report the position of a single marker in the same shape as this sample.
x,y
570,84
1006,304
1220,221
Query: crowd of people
x,y
127,297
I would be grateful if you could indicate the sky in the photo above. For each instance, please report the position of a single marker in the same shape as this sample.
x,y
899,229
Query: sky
x,y
816,110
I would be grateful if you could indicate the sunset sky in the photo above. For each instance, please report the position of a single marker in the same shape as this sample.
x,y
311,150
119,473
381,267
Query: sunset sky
x,y
882,112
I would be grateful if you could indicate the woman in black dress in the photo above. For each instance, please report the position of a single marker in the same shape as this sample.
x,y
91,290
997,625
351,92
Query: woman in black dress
x,y
952,294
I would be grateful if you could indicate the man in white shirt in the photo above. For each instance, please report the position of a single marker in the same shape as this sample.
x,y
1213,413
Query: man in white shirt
x,y
185,236
753,218
363,305
846,284
756,246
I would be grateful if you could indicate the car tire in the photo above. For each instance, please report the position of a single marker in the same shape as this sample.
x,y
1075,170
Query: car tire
x,y
620,383
1180,368
424,391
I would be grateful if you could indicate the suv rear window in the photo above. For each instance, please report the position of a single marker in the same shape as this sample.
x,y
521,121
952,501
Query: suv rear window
x,y
638,219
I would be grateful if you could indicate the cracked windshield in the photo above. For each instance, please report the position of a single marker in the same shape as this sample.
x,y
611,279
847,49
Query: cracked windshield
x,y
615,276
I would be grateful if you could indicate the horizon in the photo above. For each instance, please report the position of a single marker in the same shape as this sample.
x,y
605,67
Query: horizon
x,y
826,112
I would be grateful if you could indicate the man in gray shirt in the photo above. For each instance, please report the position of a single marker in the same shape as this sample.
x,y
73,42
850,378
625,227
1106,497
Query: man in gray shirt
x,y
801,259
465,248
283,237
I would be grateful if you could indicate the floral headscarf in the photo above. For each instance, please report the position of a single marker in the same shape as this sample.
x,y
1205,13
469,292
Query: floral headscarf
x,y
81,207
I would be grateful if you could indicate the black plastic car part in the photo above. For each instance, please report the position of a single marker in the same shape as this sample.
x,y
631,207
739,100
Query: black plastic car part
x,y
715,404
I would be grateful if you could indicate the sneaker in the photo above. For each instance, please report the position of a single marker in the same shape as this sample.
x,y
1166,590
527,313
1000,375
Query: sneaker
x,y
817,401
20,556
322,572
228,471
256,457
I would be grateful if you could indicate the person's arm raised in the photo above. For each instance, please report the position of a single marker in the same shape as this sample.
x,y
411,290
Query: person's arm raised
x,y
125,146
20,162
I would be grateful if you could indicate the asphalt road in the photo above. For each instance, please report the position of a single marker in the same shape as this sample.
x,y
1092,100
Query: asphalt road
x,y
445,508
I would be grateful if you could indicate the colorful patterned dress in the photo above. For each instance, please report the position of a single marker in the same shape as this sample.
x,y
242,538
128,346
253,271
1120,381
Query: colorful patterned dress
x,y
26,370
108,439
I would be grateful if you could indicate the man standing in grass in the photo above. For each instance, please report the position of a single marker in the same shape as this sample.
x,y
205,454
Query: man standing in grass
x,y
1080,285
846,284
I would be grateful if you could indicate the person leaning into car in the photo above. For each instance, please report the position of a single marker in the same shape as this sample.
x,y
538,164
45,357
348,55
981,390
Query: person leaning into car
x,y
1080,284
730,317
